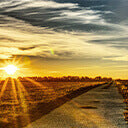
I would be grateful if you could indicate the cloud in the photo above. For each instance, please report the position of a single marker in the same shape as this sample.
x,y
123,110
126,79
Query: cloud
x,y
118,58
81,16
26,48
7,39
88,20
110,40
14,5
65,46
67,16
56,15
21,38
119,42
20,35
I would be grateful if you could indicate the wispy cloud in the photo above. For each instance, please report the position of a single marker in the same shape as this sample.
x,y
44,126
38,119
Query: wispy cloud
x,y
14,5
118,58
66,45
81,16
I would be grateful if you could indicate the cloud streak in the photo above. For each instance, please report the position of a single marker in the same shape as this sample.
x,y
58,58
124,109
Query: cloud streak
x,y
14,5
81,16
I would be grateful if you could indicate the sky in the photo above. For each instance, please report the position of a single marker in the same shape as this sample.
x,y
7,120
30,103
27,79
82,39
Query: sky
x,y
65,37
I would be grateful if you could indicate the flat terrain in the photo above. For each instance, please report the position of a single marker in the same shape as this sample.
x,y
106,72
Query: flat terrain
x,y
23,102
101,107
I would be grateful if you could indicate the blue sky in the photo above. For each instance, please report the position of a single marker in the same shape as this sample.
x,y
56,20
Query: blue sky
x,y
91,32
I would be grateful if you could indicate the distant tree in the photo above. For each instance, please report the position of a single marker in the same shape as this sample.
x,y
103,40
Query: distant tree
x,y
98,78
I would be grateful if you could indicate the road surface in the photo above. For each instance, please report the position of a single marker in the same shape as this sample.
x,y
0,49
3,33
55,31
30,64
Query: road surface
x,y
101,107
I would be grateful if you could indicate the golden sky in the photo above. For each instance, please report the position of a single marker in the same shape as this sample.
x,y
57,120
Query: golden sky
x,y
64,38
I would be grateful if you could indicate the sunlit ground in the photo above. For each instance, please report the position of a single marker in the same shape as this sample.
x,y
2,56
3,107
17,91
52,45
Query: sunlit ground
x,y
23,101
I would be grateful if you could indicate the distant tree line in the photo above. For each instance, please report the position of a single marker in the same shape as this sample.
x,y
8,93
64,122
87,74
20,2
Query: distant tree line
x,y
66,79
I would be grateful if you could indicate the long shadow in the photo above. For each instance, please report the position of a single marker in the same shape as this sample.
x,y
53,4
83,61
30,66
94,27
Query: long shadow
x,y
42,109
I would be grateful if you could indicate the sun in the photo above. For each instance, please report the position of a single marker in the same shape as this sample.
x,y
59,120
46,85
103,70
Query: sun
x,y
10,69
14,68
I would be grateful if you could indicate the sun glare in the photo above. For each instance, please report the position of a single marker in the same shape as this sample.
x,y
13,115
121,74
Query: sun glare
x,y
10,69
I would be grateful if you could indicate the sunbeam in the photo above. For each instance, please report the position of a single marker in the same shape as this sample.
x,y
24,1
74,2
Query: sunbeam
x,y
3,87
21,95
14,95
24,90
36,83
23,102
14,90
44,88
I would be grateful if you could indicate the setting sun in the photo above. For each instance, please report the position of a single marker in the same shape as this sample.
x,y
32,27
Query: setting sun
x,y
10,69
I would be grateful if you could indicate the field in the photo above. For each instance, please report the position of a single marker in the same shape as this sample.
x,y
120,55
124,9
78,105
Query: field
x,y
23,102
